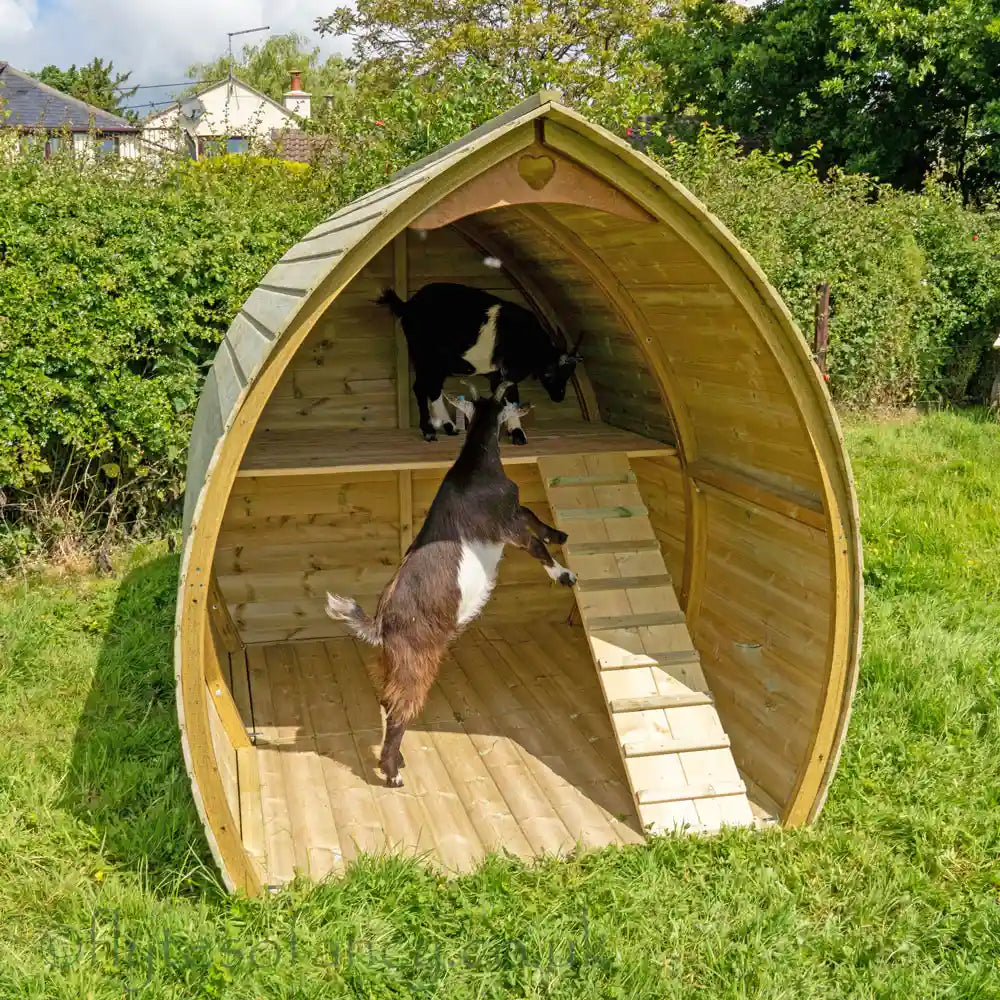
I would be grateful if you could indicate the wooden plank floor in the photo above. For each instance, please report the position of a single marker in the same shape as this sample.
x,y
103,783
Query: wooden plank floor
x,y
285,453
514,751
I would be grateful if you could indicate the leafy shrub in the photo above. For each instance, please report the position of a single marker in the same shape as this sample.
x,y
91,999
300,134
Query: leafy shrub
x,y
117,282
116,285
915,278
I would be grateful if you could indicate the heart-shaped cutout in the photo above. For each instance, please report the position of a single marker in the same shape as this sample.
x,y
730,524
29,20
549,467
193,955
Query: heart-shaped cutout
x,y
536,171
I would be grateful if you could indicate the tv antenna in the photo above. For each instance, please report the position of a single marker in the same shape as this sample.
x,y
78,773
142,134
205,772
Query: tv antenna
x,y
232,34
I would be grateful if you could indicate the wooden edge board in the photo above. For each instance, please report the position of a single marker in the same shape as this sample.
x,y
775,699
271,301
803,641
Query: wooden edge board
x,y
651,796
738,486
653,702
523,456
651,748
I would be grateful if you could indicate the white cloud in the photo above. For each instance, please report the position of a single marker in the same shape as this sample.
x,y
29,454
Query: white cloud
x,y
156,40
16,18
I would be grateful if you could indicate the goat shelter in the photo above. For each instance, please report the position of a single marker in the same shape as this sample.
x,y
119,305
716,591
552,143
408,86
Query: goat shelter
x,y
701,671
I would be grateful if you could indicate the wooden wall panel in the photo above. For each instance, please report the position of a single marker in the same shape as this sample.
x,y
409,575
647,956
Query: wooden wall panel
x,y
286,540
762,630
344,374
627,394
444,255
661,484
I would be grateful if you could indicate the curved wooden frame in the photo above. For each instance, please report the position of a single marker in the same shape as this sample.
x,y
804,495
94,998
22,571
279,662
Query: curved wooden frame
x,y
299,289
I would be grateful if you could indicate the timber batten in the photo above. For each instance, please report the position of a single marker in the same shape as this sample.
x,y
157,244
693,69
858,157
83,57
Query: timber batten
x,y
699,473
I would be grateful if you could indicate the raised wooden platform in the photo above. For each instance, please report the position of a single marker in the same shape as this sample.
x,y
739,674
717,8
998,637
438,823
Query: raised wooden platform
x,y
514,751
290,453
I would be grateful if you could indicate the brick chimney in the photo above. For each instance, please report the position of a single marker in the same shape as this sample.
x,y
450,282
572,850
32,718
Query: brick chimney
x,y
296,100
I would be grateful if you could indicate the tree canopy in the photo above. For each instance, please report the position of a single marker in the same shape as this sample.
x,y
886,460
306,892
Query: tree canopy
x,y
588,48
267,67
97,83
895,89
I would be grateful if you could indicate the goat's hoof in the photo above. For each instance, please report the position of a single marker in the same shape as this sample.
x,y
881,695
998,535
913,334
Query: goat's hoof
x,y
394,782
557,538
568,578
517,436
450,428
430,436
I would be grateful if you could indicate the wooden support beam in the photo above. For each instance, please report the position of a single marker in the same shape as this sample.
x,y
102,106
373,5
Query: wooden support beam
x,y
400,282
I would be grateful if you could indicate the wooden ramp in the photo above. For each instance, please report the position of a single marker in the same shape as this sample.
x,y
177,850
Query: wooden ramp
x,y
676,753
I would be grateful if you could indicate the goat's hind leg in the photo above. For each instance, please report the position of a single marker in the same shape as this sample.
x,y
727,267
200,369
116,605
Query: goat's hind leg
x,y
524,538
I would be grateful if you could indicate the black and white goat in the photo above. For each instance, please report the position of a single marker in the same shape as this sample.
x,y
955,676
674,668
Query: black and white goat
x,y
447,574
457,330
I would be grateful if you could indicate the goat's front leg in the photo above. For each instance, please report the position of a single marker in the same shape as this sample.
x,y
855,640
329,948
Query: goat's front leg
x,y
542,531
524,538
434,413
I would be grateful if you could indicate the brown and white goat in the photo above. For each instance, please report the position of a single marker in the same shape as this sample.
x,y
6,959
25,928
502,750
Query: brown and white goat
x,y
447,574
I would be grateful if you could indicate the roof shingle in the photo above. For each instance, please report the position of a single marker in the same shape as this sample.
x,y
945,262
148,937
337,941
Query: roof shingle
x,y
30,104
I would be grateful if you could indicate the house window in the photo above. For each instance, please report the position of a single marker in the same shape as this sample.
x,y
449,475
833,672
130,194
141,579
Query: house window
x,y
108,146
216,146
53,143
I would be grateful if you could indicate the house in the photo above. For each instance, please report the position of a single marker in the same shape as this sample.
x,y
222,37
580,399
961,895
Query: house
x,y
41,114
226,117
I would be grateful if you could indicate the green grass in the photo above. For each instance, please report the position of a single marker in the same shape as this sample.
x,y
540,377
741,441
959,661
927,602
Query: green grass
x,y
893,893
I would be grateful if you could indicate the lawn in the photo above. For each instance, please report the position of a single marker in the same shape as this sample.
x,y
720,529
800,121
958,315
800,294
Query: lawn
x,y
108,889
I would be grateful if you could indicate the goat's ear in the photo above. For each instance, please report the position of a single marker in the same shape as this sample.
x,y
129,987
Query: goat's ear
x,y
501,390
465,405
511,410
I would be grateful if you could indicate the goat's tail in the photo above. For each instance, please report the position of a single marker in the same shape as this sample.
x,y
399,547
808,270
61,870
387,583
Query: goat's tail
x,y
395,304
362,625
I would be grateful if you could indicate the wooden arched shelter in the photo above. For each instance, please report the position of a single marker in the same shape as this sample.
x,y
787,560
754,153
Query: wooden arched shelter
x,y
701,672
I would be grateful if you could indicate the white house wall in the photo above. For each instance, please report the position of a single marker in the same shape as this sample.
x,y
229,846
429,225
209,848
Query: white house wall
x,y
222,111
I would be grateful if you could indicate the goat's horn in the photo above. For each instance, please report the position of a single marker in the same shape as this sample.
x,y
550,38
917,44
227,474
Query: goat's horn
x,y
473,391
501,390
579,341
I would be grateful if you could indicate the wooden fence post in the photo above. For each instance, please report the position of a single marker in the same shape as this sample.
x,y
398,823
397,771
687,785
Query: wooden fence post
x,y
821,336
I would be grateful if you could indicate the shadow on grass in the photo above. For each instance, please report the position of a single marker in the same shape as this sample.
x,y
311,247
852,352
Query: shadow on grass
x,y
126,778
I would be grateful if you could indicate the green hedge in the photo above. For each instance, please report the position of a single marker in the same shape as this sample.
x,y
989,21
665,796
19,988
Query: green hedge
x,y
915,278
118,281
116,285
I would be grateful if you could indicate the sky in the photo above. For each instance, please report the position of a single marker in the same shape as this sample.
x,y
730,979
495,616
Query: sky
x,y
156,39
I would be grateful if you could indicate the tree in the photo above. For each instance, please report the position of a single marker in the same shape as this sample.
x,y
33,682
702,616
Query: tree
x,y
96,83
895,89
267,68
588,48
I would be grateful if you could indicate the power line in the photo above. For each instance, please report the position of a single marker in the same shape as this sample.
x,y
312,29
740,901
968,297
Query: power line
x,y
157,86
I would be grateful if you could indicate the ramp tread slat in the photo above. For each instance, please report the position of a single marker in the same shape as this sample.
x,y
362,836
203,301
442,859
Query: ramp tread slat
x,y
667,746
711,790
